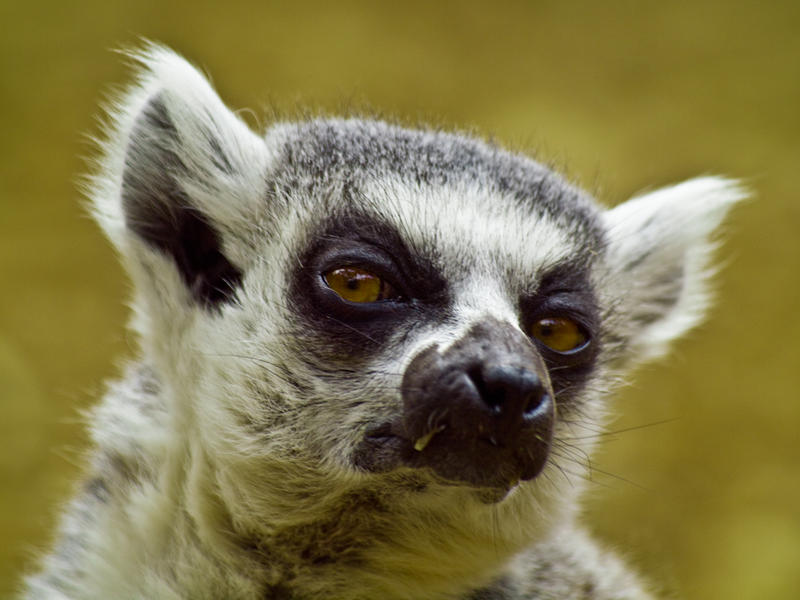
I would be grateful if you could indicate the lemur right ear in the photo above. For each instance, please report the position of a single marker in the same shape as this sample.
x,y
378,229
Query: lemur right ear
x,y
181,173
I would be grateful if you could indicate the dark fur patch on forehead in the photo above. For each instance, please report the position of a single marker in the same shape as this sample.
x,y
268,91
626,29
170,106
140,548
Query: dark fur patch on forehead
x,y
360,150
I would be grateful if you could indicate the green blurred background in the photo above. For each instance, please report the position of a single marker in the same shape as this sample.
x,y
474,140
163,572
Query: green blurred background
x,y
626,95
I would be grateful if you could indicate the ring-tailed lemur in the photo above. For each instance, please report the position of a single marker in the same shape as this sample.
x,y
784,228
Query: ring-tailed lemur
x,y
373,359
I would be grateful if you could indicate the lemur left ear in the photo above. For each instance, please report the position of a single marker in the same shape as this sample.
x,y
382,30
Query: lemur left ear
x,y
181,173
660,245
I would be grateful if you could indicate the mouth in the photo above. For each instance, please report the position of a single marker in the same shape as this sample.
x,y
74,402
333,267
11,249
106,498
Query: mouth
x,y
477,461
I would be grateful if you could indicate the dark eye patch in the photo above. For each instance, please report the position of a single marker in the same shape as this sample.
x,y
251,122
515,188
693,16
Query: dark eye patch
x,y
351,330
565,292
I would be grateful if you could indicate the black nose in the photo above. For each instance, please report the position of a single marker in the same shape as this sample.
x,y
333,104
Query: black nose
x,y
482,411
510,393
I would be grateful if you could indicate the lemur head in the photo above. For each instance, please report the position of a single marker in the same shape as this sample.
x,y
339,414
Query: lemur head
x,y
343,306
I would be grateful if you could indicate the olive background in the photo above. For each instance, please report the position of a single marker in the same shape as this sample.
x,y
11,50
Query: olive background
x,y
700,484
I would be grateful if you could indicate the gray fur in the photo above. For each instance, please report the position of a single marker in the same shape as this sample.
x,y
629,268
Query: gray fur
x,y
229,461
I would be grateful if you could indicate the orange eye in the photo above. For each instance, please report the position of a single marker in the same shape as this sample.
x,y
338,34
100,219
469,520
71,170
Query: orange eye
x,y
559,334
357,285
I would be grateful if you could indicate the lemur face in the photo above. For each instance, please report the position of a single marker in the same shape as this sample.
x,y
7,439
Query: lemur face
x,y
340,302
451,284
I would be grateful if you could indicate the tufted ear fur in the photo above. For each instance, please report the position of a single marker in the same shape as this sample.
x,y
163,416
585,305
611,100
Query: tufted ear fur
x,y
180,179
660,245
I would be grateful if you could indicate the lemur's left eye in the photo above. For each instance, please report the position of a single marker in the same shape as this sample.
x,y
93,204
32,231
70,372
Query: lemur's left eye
x,y
560,334
358,285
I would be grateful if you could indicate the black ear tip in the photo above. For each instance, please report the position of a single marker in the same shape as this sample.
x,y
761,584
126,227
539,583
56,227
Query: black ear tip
x,y
159,212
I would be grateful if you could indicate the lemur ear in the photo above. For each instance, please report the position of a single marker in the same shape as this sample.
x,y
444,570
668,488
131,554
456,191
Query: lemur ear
x,y
180,174
660,245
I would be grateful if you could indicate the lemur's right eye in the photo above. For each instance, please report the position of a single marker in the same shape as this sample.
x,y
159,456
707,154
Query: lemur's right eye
x,y
358,285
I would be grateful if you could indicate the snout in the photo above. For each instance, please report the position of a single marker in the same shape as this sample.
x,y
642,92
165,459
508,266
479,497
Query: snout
x,y
479,413
482,412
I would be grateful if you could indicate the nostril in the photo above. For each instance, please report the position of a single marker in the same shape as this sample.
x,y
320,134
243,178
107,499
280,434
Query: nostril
x,y
492,395
537,400
509,390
